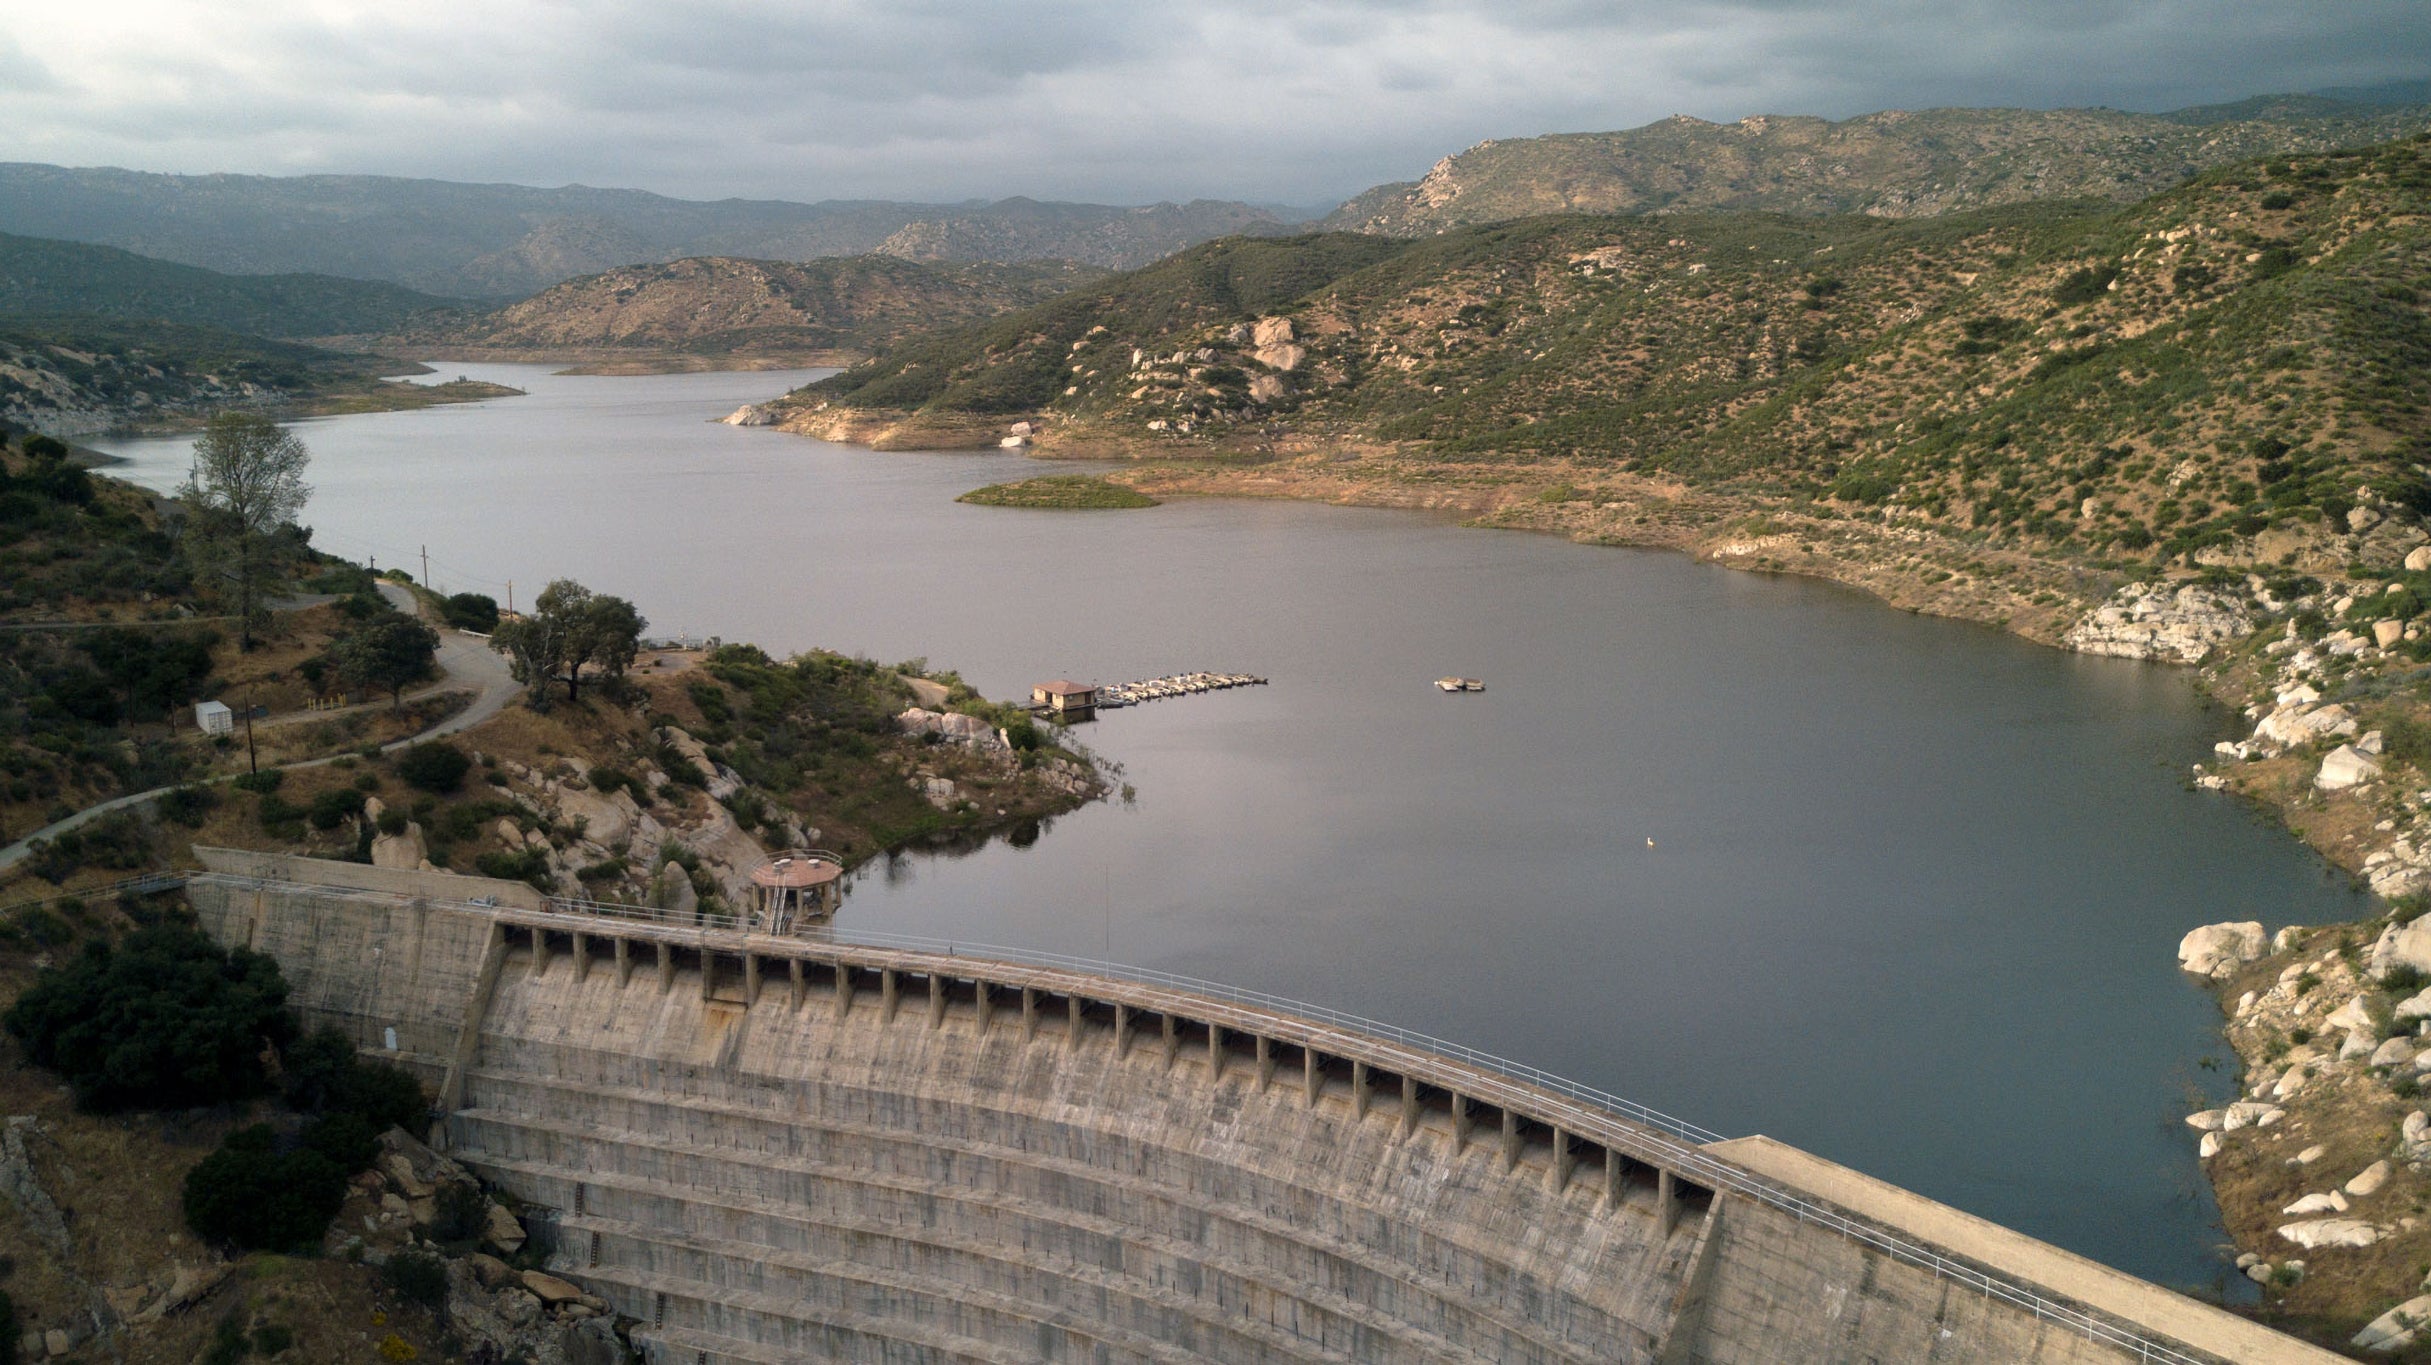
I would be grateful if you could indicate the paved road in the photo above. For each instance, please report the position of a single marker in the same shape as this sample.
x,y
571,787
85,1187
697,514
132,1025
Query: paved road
x,y
468,662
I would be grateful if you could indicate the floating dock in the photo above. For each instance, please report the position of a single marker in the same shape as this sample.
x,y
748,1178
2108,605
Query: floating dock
x,y
1178,685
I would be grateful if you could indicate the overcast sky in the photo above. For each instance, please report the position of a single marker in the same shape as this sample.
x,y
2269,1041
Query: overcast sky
x,y
1295,101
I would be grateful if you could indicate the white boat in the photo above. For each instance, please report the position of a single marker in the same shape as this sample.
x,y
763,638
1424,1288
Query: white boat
x,y
1460,684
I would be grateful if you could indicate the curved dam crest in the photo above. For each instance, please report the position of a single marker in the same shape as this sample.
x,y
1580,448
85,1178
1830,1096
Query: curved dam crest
x,y
766,1149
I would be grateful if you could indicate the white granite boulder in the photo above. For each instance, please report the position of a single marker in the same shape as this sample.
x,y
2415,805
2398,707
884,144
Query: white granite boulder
x,y
2398,1326
2330,1232
2156,622
2345,767
2215,950
2367,1182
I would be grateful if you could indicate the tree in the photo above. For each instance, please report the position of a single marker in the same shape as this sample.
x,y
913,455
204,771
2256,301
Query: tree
x,y
570,628
474,611
247,481
391,653
164,1020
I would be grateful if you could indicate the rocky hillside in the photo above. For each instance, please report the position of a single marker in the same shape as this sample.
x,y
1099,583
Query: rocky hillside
x,y
76,375
2231,370
1894,164
508,241
720,306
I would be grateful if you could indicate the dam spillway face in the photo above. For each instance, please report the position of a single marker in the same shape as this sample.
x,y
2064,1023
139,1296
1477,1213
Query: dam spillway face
x,y
781,1151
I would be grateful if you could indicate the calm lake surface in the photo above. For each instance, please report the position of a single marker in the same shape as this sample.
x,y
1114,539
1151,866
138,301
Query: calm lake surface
x,y
1914,891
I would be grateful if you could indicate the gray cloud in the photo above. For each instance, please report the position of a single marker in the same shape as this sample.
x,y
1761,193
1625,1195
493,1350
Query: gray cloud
x,y
1098,99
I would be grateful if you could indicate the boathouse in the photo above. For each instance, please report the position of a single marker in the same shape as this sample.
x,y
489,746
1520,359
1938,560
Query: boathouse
x,y
1065,699
795,887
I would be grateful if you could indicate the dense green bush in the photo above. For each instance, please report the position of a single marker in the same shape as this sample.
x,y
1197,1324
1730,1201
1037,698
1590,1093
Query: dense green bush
x,y
188,805
253,1196
164,1020
323,1074
434,767
334,807
417,1277
117,841
472,611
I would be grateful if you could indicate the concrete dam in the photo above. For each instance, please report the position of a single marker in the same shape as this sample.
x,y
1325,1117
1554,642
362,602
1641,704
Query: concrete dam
x,y
767,1148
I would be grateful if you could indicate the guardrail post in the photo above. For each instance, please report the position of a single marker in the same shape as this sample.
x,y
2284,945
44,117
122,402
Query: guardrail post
x,y
624,962
1510,1140
1266,1063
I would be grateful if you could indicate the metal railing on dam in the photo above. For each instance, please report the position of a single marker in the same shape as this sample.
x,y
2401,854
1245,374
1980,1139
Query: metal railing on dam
x,y
1666,1141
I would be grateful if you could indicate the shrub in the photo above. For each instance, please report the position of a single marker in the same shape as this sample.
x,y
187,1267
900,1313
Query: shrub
x,y
188,805
165,1020
417,1277
463,1213
252,1196
525,865
323,1074
117,840
335,807
271,1338
434,767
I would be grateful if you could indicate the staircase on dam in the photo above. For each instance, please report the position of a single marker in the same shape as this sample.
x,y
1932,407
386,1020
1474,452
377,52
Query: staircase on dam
x,y
763,1149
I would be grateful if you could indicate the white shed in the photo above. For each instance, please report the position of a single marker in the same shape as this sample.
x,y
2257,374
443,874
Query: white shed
x,y
214,717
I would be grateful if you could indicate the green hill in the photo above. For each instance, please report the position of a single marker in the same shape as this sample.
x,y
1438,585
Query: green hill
x,y
1896,163
42,277
2226,371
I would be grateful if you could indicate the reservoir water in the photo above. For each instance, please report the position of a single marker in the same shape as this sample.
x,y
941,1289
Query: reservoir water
x,y
1757,852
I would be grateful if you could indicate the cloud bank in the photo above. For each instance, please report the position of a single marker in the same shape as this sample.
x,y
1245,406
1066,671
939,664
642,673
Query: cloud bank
x,y
1088,99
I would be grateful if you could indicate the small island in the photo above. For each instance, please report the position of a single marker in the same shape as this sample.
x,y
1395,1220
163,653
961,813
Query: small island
x,y
1072,491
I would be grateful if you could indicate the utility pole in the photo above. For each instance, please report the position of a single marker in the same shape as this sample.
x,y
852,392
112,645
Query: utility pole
x,y
426,566
253,761
510,597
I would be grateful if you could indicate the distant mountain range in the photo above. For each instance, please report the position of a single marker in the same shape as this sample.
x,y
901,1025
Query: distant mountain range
x,y
1894,164
502,242
40,277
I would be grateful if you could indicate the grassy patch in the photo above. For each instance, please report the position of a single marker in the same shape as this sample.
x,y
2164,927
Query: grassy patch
x,y
1060,490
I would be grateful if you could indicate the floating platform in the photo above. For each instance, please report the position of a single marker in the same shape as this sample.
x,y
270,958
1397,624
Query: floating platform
x,y
1178,685
1460,684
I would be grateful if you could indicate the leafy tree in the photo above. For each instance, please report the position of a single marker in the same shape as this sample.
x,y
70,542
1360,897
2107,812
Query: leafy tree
x,y
247,481
165,1020
474,611
391,653
570,628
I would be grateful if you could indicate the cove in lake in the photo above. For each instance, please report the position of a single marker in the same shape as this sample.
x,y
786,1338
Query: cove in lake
x,y
1915,889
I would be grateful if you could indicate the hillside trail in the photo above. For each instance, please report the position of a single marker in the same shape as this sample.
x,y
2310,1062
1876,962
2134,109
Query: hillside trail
x,y
466,662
